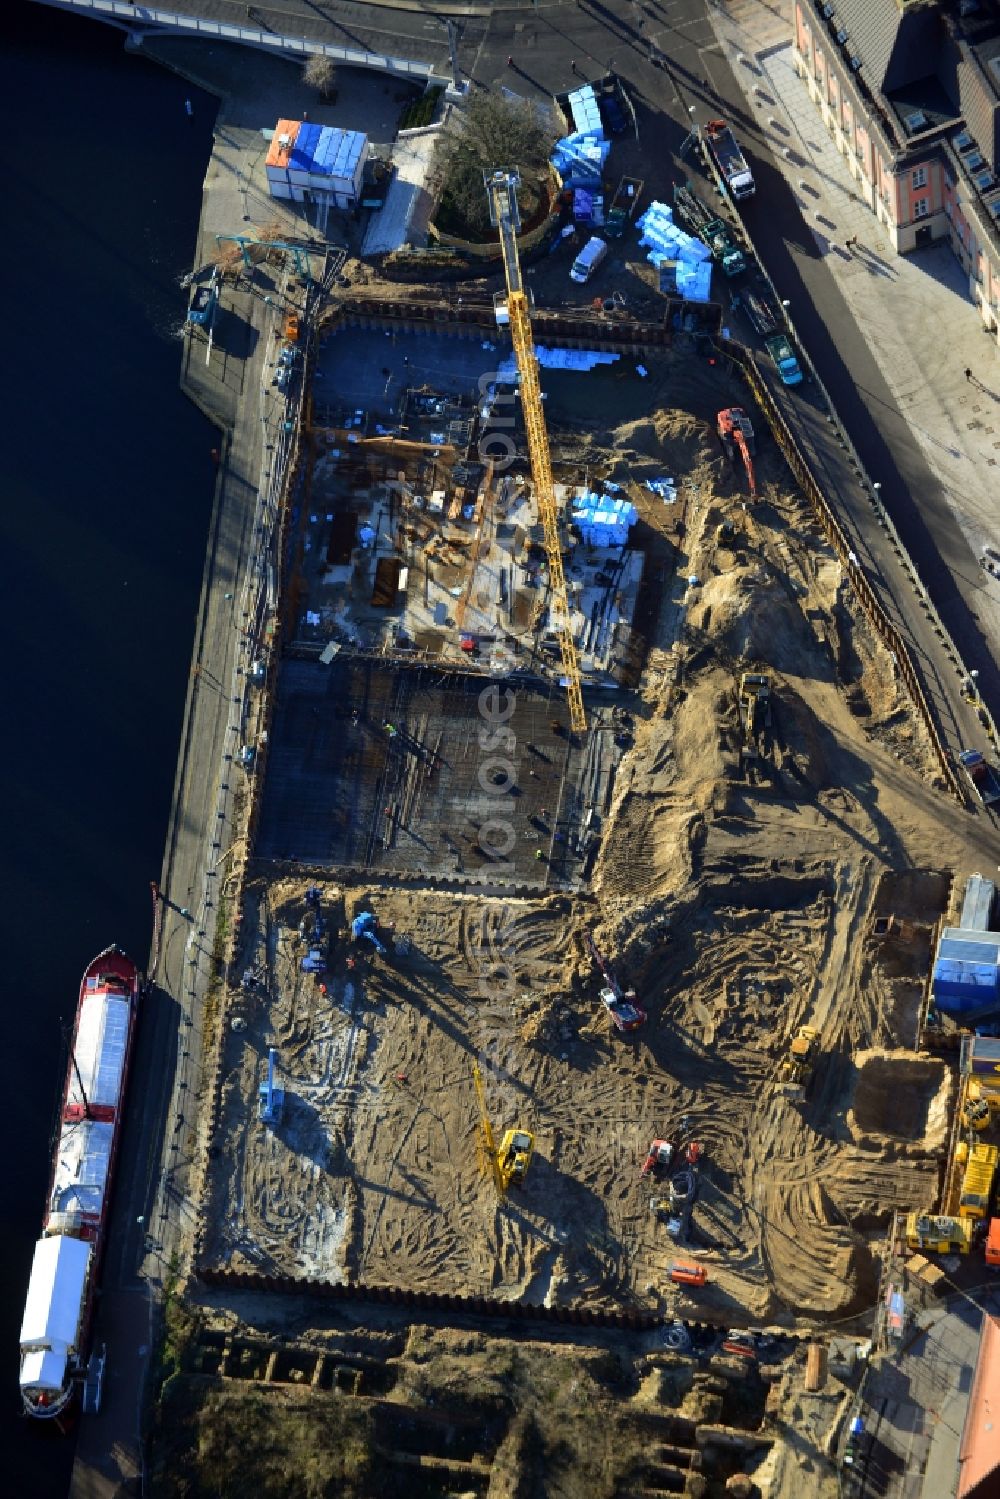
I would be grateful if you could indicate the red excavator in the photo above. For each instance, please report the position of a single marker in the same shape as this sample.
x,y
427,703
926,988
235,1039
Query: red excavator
x,y
736,434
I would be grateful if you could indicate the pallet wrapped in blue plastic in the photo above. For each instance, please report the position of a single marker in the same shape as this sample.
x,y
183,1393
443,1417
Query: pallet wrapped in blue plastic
x,y
585,109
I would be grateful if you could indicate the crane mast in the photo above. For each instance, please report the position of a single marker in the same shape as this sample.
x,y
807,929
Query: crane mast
x,y
501,186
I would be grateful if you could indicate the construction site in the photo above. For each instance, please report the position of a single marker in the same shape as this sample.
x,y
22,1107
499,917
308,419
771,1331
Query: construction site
x,y
598,854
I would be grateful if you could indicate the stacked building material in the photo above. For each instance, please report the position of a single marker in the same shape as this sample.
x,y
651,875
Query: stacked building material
x,y
684,262
585,109
603,520
588,207
579,158
557,359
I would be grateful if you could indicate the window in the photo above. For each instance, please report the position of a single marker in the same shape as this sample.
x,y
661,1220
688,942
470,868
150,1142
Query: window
x,y
920,177
921,208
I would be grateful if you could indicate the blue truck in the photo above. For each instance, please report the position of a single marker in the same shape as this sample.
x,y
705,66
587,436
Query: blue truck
x,y
203,303
984,780
780,350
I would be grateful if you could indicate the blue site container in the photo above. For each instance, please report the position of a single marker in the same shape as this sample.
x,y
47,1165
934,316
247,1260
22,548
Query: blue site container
x,y
301,156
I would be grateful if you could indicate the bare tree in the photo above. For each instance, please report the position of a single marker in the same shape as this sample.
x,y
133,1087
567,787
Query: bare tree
x,y
321,74
493,131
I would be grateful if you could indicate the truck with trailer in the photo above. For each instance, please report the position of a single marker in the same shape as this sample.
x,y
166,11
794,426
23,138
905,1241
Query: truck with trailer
x,y
780,349
623,206
759,312
729,159
710,228
982,776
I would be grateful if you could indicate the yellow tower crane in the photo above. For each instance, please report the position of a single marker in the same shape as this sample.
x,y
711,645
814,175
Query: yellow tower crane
x,y
501,187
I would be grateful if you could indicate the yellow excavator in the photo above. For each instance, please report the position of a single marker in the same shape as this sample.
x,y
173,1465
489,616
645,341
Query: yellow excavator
x,y
510,1163
755,704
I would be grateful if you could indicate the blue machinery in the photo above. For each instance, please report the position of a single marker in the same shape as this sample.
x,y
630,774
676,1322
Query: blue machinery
x,y
270,1095
245,240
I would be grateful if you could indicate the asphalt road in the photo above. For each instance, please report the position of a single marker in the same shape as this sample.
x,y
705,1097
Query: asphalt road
x,y
154,1206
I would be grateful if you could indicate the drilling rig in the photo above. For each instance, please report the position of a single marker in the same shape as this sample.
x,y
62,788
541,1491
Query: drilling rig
x,y
501,188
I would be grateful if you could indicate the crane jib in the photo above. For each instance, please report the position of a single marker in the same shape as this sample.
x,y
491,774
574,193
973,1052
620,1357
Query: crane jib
x,y
501,188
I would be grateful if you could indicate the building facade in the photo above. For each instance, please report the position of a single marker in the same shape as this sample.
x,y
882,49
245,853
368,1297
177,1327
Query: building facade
x,y
910,92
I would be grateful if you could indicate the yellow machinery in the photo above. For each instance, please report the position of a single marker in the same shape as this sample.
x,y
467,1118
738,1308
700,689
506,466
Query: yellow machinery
x,y
501,188
755,703
510,1163
977,1181
801,1056
979,1106
938,1235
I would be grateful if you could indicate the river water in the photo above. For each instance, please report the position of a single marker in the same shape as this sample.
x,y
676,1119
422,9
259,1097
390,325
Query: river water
x,y
107,490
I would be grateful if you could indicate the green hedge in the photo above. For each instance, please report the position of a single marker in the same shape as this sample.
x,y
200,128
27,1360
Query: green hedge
x,y
421,111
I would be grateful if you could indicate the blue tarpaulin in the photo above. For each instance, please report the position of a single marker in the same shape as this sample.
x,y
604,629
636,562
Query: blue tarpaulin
x,y
300,159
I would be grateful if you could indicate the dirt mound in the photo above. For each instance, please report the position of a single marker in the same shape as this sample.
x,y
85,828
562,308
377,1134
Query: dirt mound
x,y
668,441
899,1094
750,617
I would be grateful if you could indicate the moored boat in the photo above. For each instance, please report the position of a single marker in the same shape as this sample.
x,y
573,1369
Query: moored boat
x,y
55,1329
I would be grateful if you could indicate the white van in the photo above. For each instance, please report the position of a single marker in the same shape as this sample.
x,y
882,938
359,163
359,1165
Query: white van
x,y
588,260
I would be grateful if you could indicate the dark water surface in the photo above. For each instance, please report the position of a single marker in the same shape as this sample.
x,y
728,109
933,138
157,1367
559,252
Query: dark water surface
x,y
104,506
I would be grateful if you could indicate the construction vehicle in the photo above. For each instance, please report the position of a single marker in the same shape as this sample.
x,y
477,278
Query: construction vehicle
x,y
270,1094
755,705
508,1165
800,1058
977,1181
659,1157
760,314
501,187
729,159
364,929
992,1252
682,1188
204,302
982,776
938,1234
620,1003
785,362
682,1274
979,1106
710,229
721,240
735,431
623,206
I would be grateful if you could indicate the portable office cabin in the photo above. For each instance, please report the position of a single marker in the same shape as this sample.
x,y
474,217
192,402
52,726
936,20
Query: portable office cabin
x,y
977,906
338,166
966,977
308,163
277,161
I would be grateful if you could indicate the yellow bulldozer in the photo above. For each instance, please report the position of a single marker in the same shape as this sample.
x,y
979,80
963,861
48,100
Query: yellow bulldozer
x,y
798,1061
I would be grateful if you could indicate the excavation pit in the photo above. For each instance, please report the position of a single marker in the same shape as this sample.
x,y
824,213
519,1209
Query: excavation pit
x,y
902,1095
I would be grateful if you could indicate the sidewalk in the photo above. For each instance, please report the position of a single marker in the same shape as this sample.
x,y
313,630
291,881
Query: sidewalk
x,y
914,310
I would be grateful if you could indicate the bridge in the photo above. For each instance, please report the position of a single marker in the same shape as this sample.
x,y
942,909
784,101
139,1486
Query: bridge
x,y
424,47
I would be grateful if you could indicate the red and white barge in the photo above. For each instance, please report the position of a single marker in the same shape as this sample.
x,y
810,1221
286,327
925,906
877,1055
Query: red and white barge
x,y
55,1330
